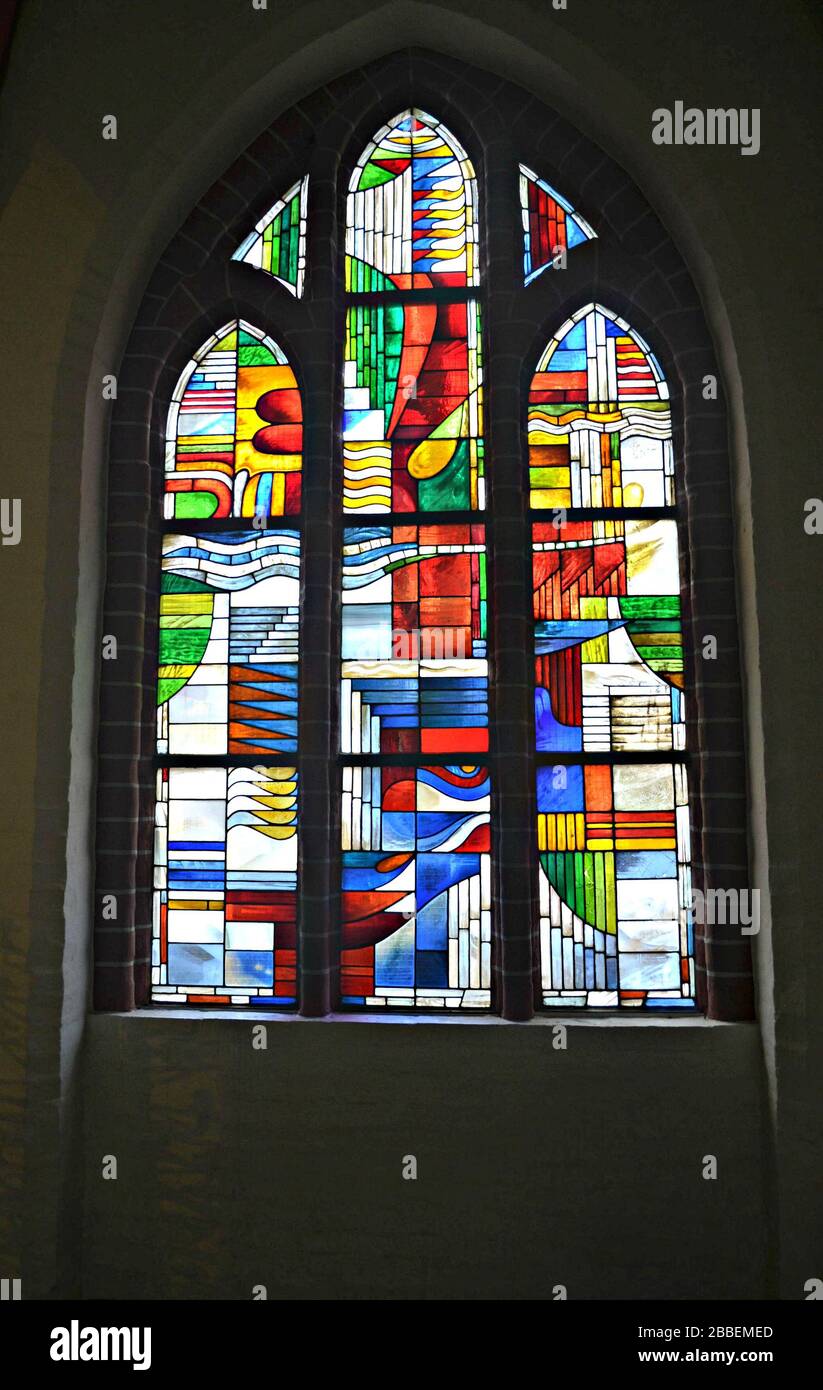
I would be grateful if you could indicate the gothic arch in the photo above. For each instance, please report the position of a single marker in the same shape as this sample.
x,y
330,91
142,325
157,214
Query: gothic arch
x,y
633,266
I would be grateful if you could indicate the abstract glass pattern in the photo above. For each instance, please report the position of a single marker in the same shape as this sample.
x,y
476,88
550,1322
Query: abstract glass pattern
x,y
225,860
608,641
599,422
613,831
414,671
227,677
234,436
413,408
278,243
416,887
416,919
225,886
550,224
411,214
615,885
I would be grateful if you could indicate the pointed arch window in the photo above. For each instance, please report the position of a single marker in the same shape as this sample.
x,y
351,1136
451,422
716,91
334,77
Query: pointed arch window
x,y
225,860
416,894
406,715
612,796
411,211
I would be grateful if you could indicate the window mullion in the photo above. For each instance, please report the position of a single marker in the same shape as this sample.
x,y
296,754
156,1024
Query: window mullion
x,y
511,638
319,870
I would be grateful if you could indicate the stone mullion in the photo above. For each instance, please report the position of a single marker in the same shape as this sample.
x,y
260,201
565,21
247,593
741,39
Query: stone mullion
x,y
318,915
511,636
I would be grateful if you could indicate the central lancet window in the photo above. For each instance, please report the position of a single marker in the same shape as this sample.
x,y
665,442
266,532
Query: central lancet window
x,y
417,912
417,920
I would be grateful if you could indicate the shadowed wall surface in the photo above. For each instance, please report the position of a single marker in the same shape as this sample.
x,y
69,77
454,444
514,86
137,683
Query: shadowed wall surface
x,y
604,1138
536,1167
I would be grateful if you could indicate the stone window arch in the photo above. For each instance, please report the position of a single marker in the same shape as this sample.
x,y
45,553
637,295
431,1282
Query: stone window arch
x,y
629,265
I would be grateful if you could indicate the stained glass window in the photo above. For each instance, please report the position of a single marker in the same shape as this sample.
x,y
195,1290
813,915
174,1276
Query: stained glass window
x,y
416,886
550,225
615,885
420,776
599,418
234,436
229,606
608,637
278,243
225,899
413,420
414,674
612,800
411,216
416,909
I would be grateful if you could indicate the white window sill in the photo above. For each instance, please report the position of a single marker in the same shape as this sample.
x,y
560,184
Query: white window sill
x,y
569,1018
